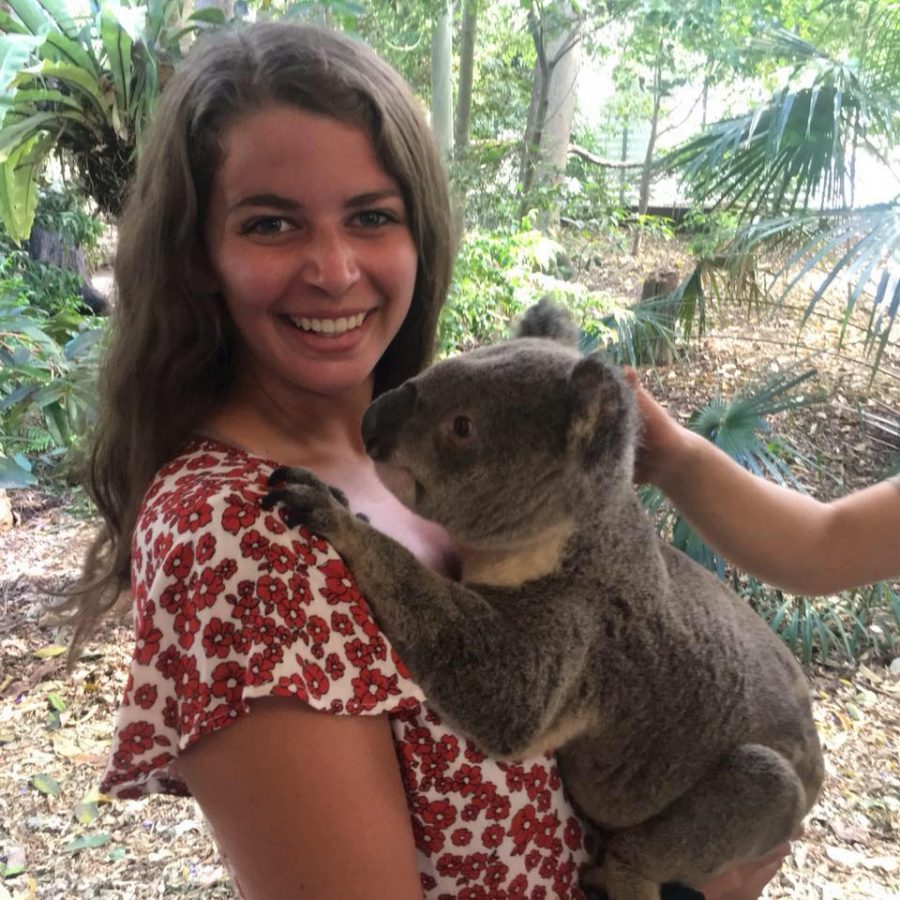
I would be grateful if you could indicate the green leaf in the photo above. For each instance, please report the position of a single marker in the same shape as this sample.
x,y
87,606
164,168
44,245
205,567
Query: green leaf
x,y
56,702
75,78
65,50
16,52
86,811
19,186
33,16
49,651
119,28
16,863
211,15
87,842
57,424
59,13
9,25
14,135
46,785
13,475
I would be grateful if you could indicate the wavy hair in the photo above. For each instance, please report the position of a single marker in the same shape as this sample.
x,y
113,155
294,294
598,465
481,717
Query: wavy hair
x,y
167,361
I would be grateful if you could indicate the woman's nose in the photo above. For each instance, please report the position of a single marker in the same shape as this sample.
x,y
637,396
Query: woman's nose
x,y
330,261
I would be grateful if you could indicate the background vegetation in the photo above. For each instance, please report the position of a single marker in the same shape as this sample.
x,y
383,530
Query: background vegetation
x,y
576,134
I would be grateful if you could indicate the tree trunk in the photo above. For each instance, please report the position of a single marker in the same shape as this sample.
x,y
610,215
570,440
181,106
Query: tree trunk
x,y
647,172
442,81
553,97
656,349
624,158
466,71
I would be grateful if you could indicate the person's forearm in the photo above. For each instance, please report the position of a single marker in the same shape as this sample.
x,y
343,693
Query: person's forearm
x,y
783,537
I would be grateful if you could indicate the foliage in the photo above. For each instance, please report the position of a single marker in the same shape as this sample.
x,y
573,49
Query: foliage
x,y
501,272
590,194
45,285
708,230
62,211
82,89
860,246
48,364
787,169
857,624
485,176
494,282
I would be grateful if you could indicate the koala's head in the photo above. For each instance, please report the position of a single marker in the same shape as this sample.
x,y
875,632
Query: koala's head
x,y
502,442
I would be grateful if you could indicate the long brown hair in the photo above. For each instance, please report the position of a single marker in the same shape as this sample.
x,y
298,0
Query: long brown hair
x,y
167,361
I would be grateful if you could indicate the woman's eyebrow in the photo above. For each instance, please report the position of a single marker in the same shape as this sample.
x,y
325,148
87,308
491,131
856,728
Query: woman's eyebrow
x,y
374,197
286,204
274,201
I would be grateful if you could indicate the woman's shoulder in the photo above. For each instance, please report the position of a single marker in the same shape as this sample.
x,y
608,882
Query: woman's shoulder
x,y
207,466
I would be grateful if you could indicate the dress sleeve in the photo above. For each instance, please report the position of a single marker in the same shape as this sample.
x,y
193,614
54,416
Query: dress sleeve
x,y
230,606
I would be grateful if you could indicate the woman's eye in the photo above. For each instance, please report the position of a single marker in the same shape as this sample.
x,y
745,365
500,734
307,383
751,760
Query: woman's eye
x,y
372,218
266,225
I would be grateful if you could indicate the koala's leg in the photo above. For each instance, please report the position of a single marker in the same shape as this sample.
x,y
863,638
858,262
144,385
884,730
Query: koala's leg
x,y
487,672
749,804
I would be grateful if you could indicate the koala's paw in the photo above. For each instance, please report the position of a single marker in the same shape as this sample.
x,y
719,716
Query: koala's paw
x,y
307,501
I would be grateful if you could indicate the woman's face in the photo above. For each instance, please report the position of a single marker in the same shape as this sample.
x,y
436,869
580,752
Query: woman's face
x,y
309,244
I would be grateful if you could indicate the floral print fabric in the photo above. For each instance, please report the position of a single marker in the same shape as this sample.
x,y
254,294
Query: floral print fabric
x,y
231,605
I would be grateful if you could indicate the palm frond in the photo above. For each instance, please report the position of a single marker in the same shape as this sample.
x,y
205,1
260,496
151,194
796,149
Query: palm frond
x,y
861,247
799,149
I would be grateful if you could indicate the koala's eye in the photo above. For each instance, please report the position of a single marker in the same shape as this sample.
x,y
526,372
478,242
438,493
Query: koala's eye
x,y
462,426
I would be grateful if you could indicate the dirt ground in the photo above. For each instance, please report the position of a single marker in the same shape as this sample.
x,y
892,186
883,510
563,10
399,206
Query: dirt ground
x,y
59,839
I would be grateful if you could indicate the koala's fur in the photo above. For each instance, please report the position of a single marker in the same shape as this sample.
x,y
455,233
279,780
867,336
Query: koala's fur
x,y
682,724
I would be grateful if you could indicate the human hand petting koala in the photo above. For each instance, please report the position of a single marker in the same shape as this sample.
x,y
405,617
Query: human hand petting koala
x,y
682,725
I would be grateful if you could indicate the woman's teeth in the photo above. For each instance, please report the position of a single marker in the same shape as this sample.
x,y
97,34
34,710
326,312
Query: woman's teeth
x,y
328,326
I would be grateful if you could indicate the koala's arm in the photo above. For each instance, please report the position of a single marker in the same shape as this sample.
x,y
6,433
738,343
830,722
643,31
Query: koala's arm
x,y
488,673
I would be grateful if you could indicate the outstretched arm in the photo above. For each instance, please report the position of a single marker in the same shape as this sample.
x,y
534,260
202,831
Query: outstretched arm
x,y
780,535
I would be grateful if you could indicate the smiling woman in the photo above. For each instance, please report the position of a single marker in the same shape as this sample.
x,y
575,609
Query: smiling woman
x,y
305,232
283,258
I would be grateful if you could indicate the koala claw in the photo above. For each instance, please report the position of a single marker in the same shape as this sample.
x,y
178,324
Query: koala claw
x,y
291,475
309,505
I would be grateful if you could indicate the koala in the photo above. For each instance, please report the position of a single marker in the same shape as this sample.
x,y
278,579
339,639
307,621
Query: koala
x,y
682,725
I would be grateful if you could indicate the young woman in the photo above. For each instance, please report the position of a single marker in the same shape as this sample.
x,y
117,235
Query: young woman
x,y
283,257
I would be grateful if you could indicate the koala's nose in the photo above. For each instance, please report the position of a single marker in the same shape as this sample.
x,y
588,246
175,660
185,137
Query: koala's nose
x,y
382,420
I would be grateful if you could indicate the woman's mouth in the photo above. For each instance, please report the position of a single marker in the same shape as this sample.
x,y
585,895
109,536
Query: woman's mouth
x,y
327,327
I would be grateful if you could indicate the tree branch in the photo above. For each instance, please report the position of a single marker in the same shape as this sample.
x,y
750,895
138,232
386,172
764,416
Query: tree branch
x,y
587,156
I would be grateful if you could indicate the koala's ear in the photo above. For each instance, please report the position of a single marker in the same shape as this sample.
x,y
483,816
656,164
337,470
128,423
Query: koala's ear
x,y
596,402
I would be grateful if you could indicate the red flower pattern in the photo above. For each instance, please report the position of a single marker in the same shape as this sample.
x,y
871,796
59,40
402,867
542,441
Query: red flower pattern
x,y
232,605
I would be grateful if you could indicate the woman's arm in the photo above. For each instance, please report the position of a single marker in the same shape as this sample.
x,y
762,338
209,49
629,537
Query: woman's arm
x,y
780,535
306,804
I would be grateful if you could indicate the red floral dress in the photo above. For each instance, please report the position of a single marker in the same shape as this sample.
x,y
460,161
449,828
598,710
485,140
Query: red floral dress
x,y
231,605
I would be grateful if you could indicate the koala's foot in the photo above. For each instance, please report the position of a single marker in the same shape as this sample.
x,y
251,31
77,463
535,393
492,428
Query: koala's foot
x,y
612,880
751,802
307,501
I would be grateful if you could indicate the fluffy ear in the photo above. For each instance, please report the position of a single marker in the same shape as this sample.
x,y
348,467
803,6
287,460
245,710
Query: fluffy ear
x,y
597,405
547,319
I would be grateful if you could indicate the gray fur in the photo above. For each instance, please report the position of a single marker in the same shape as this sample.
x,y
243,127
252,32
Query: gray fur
x,y
546,319
682,724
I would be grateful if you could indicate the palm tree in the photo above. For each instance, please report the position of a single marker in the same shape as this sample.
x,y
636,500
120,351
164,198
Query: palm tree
x,y
788,168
